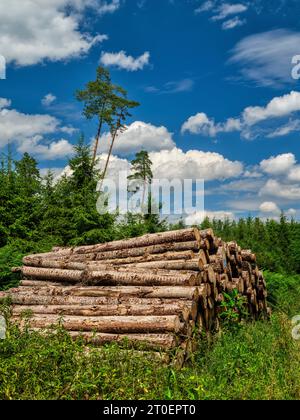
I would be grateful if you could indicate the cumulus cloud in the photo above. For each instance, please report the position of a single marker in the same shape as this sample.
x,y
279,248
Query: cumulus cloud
x,y
194,164
60,149
34,31
278,107
27,132
202,124
125,62
198,217
251,119
294,174
48,99
278,165
139,135
265,58
269,207
275,188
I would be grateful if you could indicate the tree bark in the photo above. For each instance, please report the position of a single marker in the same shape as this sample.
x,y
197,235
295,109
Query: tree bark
x,y
182,265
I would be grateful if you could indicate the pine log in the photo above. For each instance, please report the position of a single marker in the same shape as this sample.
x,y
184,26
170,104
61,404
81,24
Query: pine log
x,y
143,251
155,341
109,324
196,265
65,263
190,293
211,276
247,255
187,310
108,277
192,234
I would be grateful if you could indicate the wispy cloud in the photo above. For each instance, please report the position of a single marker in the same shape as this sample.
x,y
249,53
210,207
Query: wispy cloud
x,y
227,9
233,23
266,58
179,86
226,12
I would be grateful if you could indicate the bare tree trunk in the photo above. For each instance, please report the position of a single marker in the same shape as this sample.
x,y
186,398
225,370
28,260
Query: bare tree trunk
x,y
98,137
114,136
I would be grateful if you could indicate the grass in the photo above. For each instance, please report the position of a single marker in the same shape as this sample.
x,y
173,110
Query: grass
x,y
257,361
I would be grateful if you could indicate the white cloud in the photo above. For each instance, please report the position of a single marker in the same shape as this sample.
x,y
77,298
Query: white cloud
x,y
139,135
202,124
116,165
294,174
199,124
60,149
27,132
125,62
248,123
269,207
16,126
278,189
227,9
4,103
278,107
206,7
243,185
193,164
48,99
34,31
278,165
290,127
291,212
265,58
179,86
198,217
233,23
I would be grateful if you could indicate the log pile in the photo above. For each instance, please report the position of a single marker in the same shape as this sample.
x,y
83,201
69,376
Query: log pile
x,y
161,289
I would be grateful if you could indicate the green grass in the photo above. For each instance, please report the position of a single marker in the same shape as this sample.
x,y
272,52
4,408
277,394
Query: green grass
x,y
257,361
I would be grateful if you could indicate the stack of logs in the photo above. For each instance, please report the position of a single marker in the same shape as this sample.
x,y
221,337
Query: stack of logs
x,y
159,289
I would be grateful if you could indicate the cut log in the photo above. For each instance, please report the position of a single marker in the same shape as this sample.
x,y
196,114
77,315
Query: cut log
x,y
248,256
196,265
187,310
155,341
108,277
184,235
65,263
190,293
140,252
109,324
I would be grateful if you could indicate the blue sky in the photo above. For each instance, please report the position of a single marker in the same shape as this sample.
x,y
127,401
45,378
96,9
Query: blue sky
x,y
214,79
